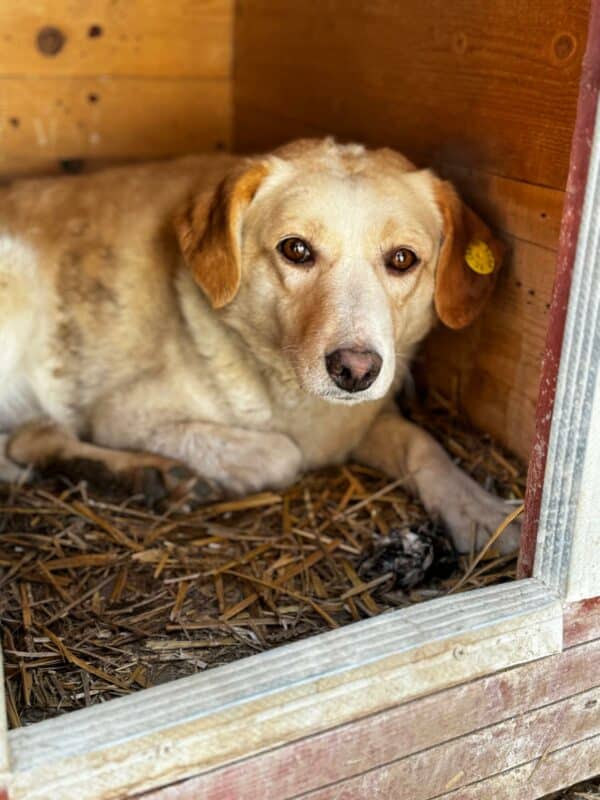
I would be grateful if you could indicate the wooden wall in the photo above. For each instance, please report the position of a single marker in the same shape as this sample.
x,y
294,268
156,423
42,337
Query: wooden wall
x,y
486,91
105,80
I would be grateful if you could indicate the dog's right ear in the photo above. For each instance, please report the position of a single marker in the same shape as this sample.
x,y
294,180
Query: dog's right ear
x,y
209,231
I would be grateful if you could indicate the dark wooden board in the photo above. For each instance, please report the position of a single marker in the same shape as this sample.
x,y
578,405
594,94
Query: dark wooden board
x,y
472,82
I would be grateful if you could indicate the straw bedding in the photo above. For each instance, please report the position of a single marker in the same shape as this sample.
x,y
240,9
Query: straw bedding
x,y
590,790
101,596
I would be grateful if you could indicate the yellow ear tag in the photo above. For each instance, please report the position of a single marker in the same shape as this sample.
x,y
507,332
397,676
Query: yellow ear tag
x,y
480,258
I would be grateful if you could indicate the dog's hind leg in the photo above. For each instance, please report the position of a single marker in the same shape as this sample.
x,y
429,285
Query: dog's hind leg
x,y
48,447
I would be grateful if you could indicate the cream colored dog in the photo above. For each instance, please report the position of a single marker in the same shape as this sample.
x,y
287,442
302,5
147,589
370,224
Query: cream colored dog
x,y
218,324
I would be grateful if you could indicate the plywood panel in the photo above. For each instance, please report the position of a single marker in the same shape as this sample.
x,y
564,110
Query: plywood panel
x,y
491,369
67,118
181,38
484,84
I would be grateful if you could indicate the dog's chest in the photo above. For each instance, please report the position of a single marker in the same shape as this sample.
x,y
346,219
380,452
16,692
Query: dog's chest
x,y
326,433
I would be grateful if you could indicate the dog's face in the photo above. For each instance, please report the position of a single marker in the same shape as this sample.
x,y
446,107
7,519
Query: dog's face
x,y
337,257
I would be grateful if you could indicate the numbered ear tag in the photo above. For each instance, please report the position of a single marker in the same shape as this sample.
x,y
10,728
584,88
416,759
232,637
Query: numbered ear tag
x,y
480,258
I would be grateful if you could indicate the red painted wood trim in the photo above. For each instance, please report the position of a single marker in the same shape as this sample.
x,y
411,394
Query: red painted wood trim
x,y
575,192
398,733
582,622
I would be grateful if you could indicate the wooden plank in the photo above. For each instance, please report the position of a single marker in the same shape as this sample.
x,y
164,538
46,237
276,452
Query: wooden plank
x,y
472,758
481,84
174,731
527,782
524,211
575,192
581,622
89,118
404,731
102,37
491,369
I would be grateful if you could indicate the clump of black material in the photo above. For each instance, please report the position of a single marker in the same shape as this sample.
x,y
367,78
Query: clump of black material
x,y
411,555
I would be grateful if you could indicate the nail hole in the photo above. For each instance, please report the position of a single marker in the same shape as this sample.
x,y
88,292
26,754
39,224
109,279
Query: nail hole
x,y
93,98
15,122
72,166
94,31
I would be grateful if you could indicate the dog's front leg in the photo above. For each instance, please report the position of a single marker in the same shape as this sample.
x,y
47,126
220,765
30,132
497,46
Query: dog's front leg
x,y
402,449
238,460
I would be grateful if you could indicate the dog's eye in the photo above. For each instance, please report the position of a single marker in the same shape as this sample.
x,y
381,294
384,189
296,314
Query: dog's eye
x,y
296,250
401,260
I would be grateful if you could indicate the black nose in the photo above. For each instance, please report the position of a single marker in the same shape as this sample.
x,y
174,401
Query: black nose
x,y
353,370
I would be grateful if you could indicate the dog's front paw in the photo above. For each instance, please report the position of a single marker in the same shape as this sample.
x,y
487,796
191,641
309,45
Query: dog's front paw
x,y
472,515
172,482
10,472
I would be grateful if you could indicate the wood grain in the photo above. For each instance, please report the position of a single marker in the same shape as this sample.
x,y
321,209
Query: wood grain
x,y
530,213
473,757
68,118
139,37
527,782
491,369
480,84
415,732
581,621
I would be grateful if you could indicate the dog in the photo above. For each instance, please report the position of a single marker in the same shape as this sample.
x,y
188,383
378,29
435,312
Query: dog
x,y
218,324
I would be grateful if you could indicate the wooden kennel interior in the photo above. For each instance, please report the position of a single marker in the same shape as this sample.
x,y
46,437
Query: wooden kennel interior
x,y
485,92
488,93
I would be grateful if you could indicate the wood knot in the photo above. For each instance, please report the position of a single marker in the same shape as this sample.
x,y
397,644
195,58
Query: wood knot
x,y
564,46
50,40
459,43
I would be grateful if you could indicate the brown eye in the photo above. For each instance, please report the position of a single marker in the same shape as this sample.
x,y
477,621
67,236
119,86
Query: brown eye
x,y
401,260
296,250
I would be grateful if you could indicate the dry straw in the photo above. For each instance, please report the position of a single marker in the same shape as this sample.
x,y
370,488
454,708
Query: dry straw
x,y
100,598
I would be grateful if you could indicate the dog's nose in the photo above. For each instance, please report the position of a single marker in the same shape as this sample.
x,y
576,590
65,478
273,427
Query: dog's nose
x,y
353,370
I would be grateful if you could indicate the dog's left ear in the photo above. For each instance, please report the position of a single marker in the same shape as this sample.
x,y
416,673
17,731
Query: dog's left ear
x,y
469,261
209,231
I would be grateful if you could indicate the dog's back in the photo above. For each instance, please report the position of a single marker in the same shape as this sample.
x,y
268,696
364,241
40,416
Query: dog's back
x,y
84,262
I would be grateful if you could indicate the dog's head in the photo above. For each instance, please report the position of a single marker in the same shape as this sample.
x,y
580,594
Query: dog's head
x,y
338,257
